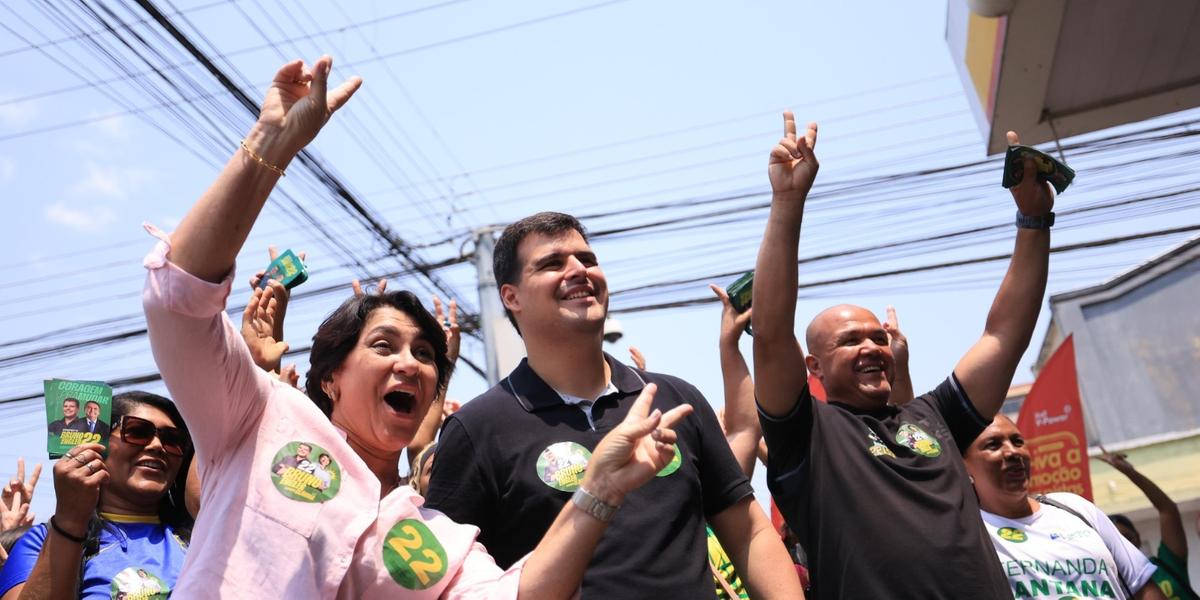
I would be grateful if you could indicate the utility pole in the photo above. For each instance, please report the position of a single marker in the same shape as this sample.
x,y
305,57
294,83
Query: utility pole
x,y
502,345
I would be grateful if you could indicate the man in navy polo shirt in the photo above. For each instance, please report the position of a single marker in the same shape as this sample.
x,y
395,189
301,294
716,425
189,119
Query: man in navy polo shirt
x,y
511,458
878,494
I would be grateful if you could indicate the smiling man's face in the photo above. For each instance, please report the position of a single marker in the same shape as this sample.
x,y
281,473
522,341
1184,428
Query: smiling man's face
x,y
560,286
851,355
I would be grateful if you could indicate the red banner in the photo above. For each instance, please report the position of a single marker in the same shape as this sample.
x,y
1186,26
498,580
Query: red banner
x,y
1051,420
815,389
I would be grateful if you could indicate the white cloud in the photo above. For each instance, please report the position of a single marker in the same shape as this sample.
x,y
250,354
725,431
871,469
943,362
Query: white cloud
x,y
8,169
115,127
110,181
92,219
18,114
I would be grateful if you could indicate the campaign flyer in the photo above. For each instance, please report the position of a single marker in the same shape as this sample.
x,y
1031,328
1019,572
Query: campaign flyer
x,y
77,412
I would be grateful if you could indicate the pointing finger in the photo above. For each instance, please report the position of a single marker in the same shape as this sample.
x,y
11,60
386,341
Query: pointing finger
x,y
789,125
641,407
810,135
891,317
1013,140
673,416
720,292
290,72
37,473
320,76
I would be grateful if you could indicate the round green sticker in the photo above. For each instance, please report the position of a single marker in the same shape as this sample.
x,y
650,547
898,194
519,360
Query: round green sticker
x,y
413,555
562,465
672,466
306,472
1012,534
136,583
918,441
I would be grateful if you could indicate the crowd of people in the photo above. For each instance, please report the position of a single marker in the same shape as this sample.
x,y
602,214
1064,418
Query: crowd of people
x,y
578,475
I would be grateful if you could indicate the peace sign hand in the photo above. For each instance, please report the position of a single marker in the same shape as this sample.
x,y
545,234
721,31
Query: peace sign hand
x,y
448,319
633,452
15,499
793,165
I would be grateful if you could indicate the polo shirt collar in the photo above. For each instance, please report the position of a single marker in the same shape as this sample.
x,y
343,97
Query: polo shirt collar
x,y
532,393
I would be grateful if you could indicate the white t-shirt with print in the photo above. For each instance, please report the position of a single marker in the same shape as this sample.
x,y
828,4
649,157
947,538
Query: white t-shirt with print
x,y
1052,553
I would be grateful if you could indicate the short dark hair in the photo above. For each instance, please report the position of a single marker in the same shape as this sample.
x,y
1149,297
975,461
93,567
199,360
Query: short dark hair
x,y
505,263
339,332
73,400
1122,520
90,402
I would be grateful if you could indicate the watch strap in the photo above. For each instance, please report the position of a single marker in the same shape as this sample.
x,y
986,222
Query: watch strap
x,y
593,506
1045,221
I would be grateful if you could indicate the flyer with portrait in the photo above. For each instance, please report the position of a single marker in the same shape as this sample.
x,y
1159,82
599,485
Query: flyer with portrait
x,y
77,412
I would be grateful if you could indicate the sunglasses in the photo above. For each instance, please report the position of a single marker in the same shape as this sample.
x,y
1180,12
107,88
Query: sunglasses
x,y
140,432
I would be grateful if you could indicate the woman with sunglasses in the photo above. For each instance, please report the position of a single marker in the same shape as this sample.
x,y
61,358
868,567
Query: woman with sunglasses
x,y
268,527
120,525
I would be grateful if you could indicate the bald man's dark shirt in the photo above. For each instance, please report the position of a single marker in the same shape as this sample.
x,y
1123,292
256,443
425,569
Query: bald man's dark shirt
x,y
881,500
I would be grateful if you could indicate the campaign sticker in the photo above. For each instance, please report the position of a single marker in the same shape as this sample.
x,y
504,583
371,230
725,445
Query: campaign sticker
x,y
673,465
562,465
413,555
135,583
306,472
915,439
1012,534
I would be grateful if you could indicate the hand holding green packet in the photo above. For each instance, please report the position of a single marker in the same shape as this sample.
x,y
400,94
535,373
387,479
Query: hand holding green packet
x,y
287,269
77,412
1048,168
740,294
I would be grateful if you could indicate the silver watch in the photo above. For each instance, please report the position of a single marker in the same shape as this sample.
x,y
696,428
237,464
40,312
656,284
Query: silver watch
x,y
594,506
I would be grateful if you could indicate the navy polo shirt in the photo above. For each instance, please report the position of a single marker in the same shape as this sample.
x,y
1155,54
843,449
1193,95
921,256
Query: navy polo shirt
x,y
511,458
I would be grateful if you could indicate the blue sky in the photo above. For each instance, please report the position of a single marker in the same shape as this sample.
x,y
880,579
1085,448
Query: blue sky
x,y
473,114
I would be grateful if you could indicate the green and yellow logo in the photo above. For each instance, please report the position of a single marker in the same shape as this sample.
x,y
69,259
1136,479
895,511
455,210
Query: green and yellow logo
x,y
413,555
1012,534
915,439
306,472
676,462
877,447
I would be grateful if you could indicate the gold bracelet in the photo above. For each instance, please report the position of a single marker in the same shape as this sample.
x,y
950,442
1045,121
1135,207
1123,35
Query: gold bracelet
x,y
260,160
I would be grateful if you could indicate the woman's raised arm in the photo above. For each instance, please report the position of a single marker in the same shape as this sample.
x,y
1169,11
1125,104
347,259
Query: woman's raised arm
x,y
295,109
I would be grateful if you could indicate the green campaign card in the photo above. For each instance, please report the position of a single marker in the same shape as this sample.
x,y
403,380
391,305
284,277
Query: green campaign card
x,y
740,294
1048,168
287,269
77,412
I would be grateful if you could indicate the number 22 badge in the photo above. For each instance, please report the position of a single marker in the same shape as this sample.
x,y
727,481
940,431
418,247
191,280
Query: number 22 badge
x,y
413,555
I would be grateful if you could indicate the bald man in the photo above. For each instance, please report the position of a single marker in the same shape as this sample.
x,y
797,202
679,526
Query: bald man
x,y
877,492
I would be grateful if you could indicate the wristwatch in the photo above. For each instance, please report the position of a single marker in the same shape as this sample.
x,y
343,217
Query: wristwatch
x,y
594,506
1045,221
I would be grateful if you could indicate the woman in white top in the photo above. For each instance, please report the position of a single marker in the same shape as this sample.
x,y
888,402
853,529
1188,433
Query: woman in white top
x,y
1053,546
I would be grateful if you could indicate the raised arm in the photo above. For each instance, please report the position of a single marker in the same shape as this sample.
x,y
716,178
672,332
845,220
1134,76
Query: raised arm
x,y
293,112
740,421
54,575
986,370
902,387
262,326
778,361
1170,521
